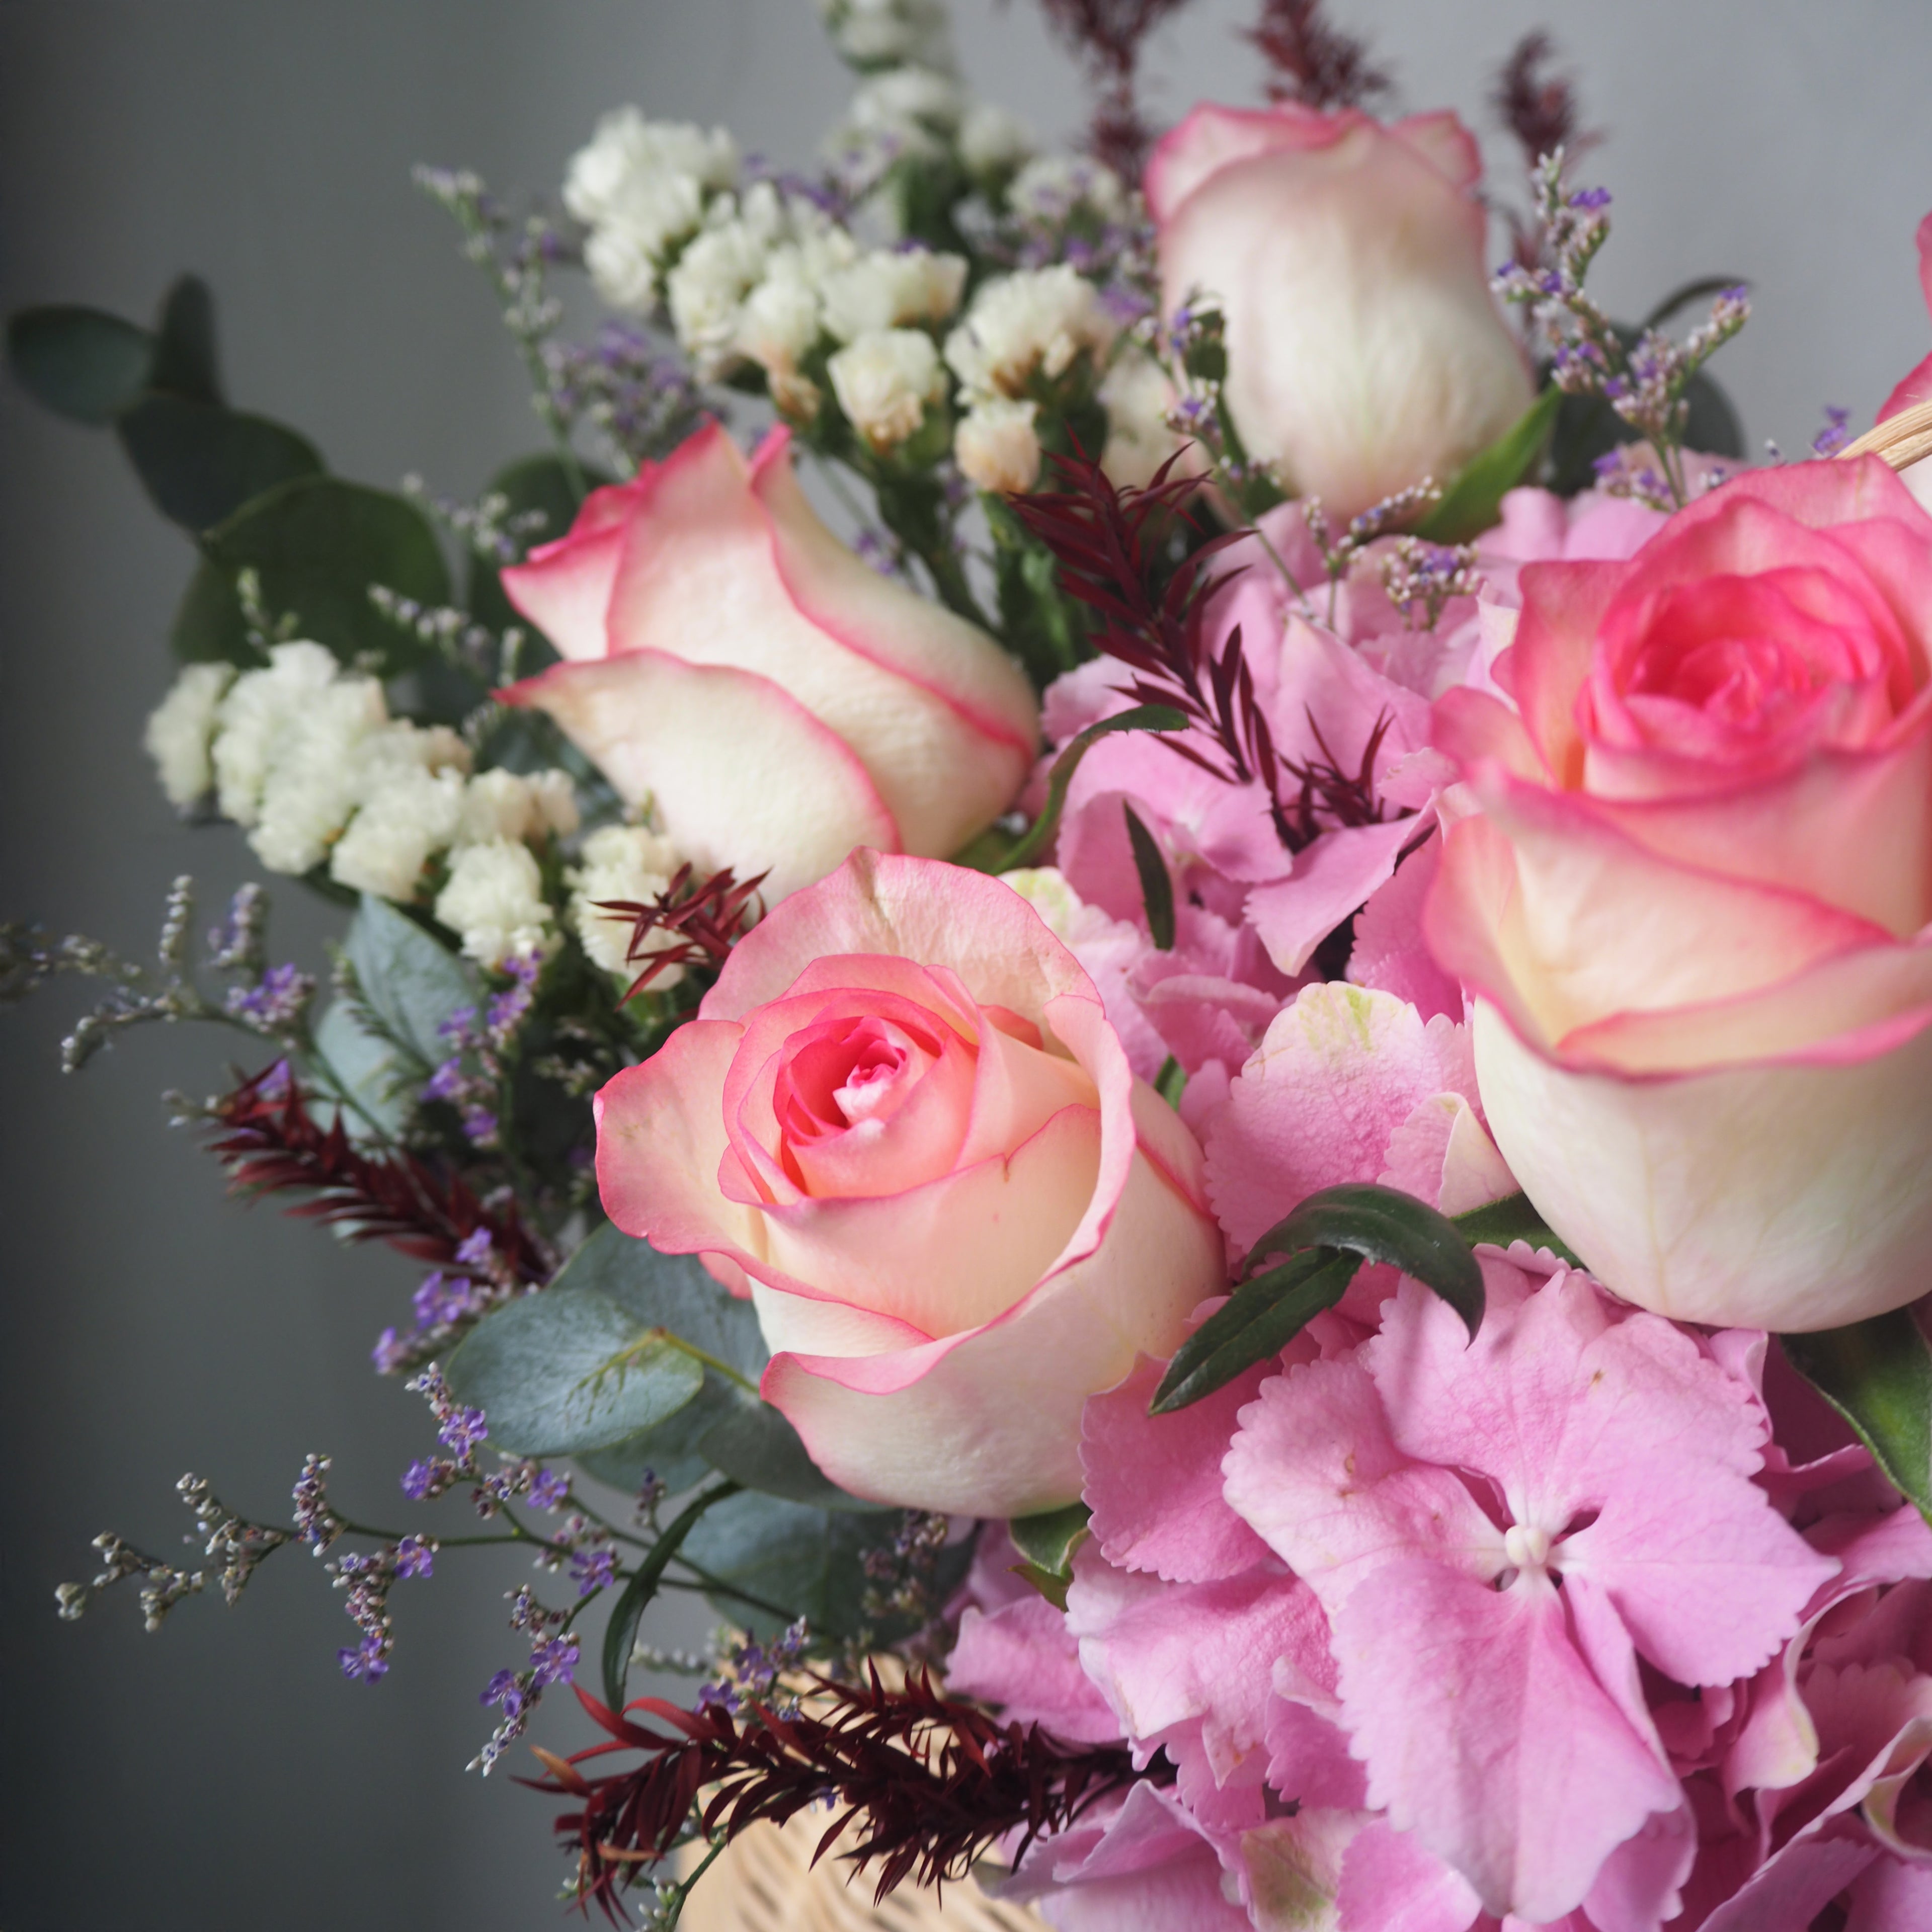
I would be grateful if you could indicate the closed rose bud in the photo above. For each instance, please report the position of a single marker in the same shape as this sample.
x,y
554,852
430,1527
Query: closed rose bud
x,y
1364,349
775,699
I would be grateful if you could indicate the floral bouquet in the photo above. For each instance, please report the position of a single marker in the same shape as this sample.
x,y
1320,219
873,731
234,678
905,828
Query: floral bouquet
x,y
1149,964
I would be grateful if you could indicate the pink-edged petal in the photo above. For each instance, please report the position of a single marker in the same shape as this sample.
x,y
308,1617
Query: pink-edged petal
x,y
1390,951
1914,387
1017,1089
1337,1073
1154,1482
915,909
1441,138
1314,1471
1484,1734
987,1422
564,587
792,800
1392,1883
1332,878
1563,604
1022,1660
901,1255
1214,137
660,1138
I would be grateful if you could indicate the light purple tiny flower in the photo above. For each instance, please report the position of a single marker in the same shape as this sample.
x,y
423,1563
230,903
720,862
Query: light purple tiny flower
x,y
503,1689
464,1429
391,1352
416,1556
447,1082
365,1662
550,1489
421,1477
554,1660
476,1250
594,1570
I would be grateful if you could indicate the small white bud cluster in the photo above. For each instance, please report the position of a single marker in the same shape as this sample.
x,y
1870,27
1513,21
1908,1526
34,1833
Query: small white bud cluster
x,y
885,379
873,34
640,187
618,863
1031,323
305,756
1054,188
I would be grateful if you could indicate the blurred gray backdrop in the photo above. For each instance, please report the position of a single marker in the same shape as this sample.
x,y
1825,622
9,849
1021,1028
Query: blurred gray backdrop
x,y
222,1776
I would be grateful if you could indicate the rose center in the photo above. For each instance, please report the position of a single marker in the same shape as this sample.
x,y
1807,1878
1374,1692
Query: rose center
x,y
855,1075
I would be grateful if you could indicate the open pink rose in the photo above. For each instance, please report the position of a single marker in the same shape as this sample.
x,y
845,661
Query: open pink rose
x,y
902,1120
778,701
1694,905
1364,349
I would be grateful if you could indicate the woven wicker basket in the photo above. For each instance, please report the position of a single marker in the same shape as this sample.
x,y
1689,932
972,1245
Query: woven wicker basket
x,y
766,1881
1904,439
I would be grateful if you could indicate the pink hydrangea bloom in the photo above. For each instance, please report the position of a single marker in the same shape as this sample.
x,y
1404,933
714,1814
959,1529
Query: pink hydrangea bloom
x,y
1499,1530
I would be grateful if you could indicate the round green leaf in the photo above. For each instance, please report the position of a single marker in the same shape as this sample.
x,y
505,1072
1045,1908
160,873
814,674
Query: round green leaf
x,y
81,363
199,462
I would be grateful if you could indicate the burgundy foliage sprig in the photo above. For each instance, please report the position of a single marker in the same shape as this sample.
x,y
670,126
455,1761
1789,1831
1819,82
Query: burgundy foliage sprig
x,y
1541,109
1311,61
1109,36
929,1784
270,1143
703,921
1098,535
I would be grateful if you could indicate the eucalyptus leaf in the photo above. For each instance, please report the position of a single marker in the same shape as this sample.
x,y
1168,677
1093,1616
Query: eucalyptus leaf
x,y
209,627
379,1082
1513,1218
319,544
1473,503
569,1369
1049,1539
185,363
1258,1320
81,363
1877,1374
199,462
1381,1224
410,984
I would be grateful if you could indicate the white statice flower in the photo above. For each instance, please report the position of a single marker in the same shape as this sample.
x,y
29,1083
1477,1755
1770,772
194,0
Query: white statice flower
x,y
255,716
707,288
1034,322
640,187
992,140
500,804
622,862
316,778
906,99
180,729
997,447
494,903
889,288
884,380
1138,394
1055,186
886,33
407,818
778,326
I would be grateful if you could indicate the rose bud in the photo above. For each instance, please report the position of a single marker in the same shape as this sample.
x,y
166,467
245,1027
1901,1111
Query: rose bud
x,y
902,1123
775,699
1693,907
1364,349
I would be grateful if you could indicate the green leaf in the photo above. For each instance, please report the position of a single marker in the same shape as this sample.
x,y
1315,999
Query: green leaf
x,y
1512,1219
319,544
185,363
568,1370
1156,884
727,1425
1171,1082
199,462
1685,293
1048,1540
1260,1318
1711,425
380,1082
1472,503
208,626
409,983
81,363
1035,840
798,1561
620,1633
1381,1224
532,483
1877,1374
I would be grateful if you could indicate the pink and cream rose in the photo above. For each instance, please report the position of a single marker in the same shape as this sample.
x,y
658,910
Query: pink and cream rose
x,y
1693,907
902,1123
776,700
1364,349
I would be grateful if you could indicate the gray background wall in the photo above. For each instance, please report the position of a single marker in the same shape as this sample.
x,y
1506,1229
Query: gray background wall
x,y
222,1775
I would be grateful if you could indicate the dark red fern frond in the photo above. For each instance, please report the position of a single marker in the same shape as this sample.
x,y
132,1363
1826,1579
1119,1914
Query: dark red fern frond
x,y
1312,62
924,1783
1542,110
704,920
1108,37
271,1144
